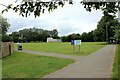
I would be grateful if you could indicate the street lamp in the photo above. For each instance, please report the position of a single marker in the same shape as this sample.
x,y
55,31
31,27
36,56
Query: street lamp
x,y
107,31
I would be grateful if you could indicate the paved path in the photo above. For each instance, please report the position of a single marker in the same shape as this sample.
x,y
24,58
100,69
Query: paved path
x,y
96,65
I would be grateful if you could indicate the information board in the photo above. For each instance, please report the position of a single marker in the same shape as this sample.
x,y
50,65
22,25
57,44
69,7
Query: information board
x,y
77,42
72,42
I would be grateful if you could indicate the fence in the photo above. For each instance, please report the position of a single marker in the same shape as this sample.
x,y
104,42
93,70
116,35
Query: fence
x,y
7,48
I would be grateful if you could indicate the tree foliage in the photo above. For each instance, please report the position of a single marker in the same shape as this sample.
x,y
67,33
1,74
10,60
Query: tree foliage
x,y
73,37
106,26
4,25
25,8
117,36
105,6
33,34
85,37
117,33
6,38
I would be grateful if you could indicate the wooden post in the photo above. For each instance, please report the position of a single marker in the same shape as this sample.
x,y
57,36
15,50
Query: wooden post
x,y
79,48
73,48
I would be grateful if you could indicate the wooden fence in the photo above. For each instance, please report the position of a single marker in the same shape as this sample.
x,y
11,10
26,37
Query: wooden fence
x,y
7,48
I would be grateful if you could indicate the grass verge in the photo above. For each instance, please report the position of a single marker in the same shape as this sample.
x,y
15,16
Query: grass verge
x,y
23,65
116,65
65,48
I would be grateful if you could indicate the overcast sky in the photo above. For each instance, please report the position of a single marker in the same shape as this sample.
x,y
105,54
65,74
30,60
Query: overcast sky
x,y
69,19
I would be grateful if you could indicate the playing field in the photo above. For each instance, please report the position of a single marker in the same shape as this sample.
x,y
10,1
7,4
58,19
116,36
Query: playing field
x,y
65,48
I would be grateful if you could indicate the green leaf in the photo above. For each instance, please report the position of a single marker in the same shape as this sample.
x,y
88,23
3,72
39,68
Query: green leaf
x,y
3,11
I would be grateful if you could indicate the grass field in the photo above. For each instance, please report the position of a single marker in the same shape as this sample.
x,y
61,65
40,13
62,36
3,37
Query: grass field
x,y
116,65
85,49
0,60
23,65
0,69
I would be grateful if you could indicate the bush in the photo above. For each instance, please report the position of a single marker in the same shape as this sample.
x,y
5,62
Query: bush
x,y
6,38
117,36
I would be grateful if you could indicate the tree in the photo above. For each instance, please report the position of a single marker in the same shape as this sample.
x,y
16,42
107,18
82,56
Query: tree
x,y
109,10
4,25
105,28
25,8
45,35
33,34
6,38
84,37
15,36
64,39
54,33
73,37
117,36
90,36
105,6
99,35
117,32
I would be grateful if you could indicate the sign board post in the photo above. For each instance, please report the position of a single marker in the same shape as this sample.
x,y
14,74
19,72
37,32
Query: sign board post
x,y
76,42
79,48
73,44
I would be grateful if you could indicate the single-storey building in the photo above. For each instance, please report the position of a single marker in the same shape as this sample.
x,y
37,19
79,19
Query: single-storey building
x,y
50,39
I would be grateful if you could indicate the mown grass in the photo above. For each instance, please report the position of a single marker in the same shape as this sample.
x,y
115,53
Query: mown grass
x,y
23,65
116,65
0,69
66,48
0,59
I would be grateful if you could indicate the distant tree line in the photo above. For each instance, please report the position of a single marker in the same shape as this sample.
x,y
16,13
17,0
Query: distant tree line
x,y
41,35
33,34
85,37
107,27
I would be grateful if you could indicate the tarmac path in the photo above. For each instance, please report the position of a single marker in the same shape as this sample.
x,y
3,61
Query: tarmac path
x,y
95,65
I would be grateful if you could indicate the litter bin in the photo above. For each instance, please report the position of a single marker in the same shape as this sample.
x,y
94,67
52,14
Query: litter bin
x,y
19,47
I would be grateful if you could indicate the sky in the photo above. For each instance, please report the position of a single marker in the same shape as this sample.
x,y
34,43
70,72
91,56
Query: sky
x,y
67,19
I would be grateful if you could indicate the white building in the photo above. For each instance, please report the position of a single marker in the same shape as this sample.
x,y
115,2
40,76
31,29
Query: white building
x,y
50,39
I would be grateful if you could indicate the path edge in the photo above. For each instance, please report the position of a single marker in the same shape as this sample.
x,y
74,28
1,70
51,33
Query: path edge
x,y
113,60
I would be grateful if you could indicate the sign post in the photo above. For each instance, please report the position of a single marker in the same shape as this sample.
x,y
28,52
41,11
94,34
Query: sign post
x,y
76,42
79,48
72,43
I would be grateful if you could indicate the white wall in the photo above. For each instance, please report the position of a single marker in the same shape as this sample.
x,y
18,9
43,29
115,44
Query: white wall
x,y
53,40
